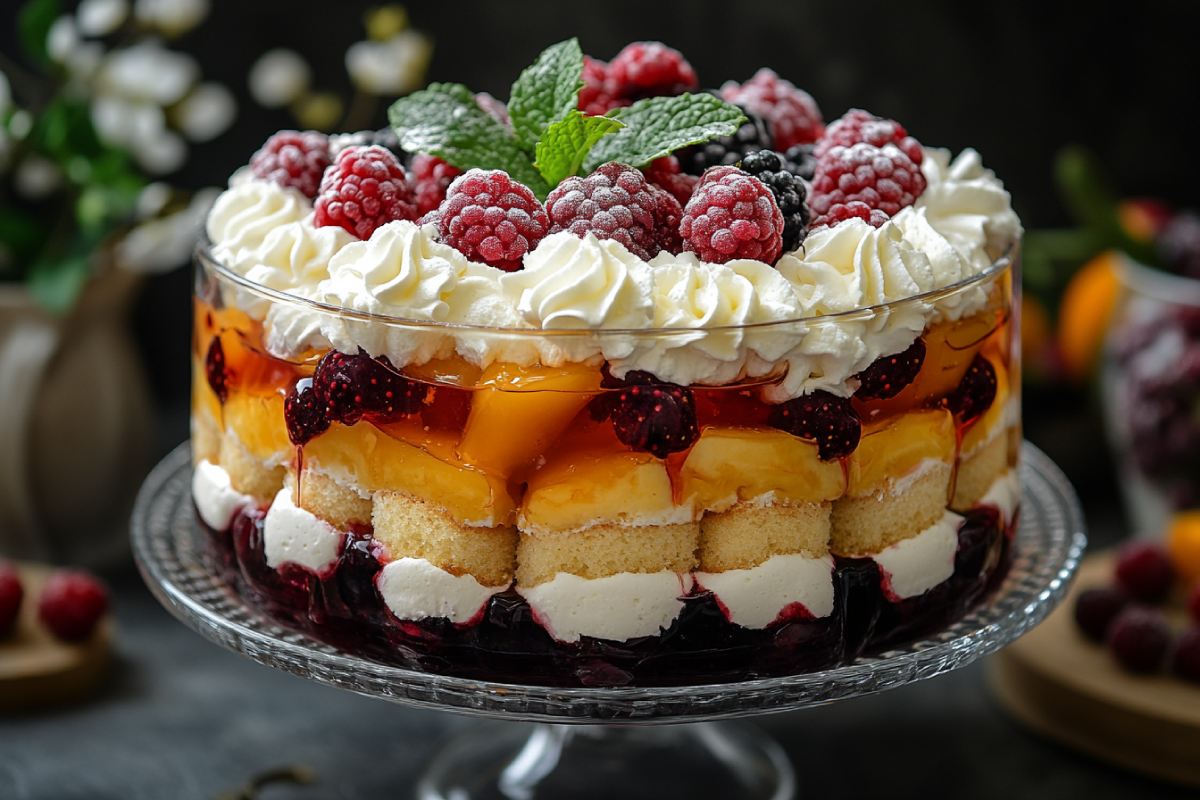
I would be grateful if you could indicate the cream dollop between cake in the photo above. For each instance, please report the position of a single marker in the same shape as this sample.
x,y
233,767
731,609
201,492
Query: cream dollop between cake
x,y
291,534
414,589
754,598
1005,495
914,566
216,500
617,607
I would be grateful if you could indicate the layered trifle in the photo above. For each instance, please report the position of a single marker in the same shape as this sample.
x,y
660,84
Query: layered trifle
x,y
617,383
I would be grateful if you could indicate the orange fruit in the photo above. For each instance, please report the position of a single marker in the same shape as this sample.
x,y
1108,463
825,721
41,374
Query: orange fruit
x,y
1083,313
1183,545
1036,331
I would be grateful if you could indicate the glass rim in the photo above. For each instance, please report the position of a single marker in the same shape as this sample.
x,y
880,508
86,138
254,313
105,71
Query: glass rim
x,y
203,255
1156,283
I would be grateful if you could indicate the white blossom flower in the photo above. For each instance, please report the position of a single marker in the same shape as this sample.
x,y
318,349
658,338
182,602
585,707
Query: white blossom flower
x,y
158,245
84,60
392,67
62,38
206,113
163,153
147,71
20,124
278,77
152,199
126,123
101,17
172,17
37,177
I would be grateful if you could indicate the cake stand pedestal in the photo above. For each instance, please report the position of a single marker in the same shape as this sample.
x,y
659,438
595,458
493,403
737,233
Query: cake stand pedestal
x,y
622,754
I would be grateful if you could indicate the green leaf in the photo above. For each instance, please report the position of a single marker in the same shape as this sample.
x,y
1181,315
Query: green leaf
x,y
445,121
56,284
566,143
546,92
34,23
660,125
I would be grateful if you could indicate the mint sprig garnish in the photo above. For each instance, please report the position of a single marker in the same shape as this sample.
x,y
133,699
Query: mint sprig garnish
x,y
549,139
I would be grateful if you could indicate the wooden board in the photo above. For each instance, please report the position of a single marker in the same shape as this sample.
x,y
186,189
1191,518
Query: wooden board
x,y
39,671
1063,685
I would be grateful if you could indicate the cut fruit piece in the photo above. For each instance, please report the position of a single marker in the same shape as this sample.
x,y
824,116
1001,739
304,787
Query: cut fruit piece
x,y
893,448
731,465
517,413
363,456
257,422
578,488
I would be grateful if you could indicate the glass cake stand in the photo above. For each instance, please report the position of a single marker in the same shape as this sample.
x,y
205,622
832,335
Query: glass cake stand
x,y
607,742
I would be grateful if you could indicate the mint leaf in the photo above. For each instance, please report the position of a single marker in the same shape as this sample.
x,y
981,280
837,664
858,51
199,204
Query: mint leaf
x,y
660,125
566,143
444,120
546,91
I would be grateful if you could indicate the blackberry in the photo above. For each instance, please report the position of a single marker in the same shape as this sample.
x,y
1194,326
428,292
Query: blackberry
x,y
725,151
384,137
653,417
801,161
788,190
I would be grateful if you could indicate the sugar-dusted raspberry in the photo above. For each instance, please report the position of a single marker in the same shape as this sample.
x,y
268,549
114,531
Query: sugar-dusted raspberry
x,y
788,190
652,416
291,158
732,215
71,604
614,202
365,188
791,113
852,210
820,417
597,97
1144,570
650,69
1095,610
11,594
665,173
433,177
882,178
489,217
887,376
858,126
1139,638
668,213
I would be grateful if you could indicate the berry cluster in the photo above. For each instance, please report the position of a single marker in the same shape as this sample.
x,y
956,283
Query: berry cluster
x,y
1125,618
791,113
71,603
346,389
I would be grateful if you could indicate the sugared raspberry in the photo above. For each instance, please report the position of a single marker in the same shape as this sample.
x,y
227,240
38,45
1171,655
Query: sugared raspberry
x,y
666,174
1186,658
791,113
596,97
882,178
1144,570
650,69
11,594
668,213
433,177
1095,610
614,202
365,188
732,215
822,417
489,217
651,416
857,126
788,190
291,158
1139,638
71,604
887,376
214,369
975,393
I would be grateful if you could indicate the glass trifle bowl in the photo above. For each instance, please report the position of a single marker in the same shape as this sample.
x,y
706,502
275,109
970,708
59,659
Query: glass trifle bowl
x,y
582,504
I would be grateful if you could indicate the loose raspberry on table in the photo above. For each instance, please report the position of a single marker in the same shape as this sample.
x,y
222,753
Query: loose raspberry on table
x,y
887,376
433,177
11,594
1144,570
489,217
292,158
820,417
732,215
364,189
614,202
789,193
652,416
1139,637
650,69
1186,658
71,604
666,174
884,179
858,126
1095,610
792,114
598,95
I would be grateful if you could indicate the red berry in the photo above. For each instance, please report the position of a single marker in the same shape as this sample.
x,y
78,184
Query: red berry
x,y
1095,610
666,175
857,126
365,188
357,386
732,215
667,216
975,392
293,159
1194,604
11,594
1139,638
71,604
650,69
214,369
1186,659
304,413
820,417
614,202
886,377
791,113
654,417
1144,570
882,178
597,97
489,217
433,177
